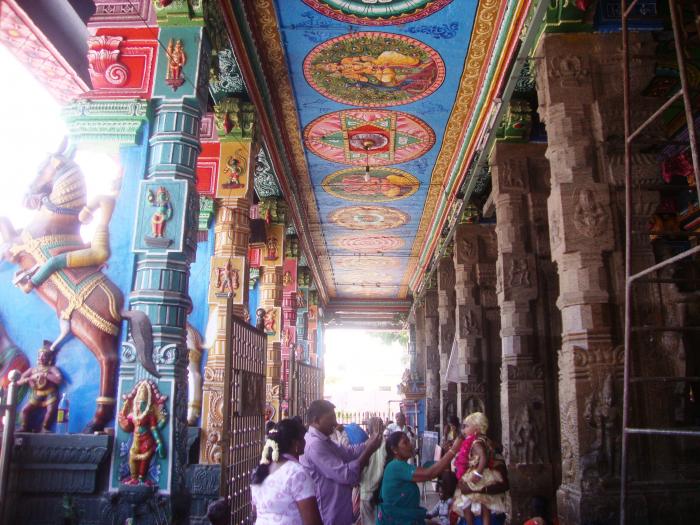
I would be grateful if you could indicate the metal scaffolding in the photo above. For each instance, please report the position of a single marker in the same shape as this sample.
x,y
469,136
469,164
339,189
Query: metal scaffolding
x,y
650,273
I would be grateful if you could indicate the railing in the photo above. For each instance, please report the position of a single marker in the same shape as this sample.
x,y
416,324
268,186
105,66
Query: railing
x,y
8,410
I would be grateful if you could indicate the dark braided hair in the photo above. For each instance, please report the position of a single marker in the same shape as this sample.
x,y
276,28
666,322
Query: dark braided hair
x,y
284,434
391,443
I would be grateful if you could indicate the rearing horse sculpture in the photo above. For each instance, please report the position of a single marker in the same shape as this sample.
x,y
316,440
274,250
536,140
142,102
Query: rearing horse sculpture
x,y
68,276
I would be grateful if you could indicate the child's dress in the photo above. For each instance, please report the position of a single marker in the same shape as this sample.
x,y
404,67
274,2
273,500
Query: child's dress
x,y
496,503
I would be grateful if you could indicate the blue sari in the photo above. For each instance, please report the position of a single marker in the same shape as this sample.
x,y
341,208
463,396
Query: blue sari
x,y
400,496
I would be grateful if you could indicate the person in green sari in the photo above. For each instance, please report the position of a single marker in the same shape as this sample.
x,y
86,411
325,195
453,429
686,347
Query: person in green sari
x,y
399,495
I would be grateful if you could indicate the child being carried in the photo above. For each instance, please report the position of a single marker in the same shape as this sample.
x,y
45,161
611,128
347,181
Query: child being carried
x,y
478,474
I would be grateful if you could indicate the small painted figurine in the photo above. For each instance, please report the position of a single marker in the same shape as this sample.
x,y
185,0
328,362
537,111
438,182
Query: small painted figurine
x,y
260,319
44,380
163,213
233,171
143,413
271,247
176,61
271,322
227,280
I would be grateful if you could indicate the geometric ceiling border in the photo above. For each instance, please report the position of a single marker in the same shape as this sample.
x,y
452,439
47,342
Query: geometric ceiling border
x,y
259,49
478,87
33,49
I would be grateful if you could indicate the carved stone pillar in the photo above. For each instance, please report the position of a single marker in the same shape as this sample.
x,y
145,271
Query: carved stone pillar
x,y
446,317
469,322
582,232
229,265
432,353
523,403
271,295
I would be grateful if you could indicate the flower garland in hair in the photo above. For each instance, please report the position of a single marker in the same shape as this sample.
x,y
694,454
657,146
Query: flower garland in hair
x,y
272,445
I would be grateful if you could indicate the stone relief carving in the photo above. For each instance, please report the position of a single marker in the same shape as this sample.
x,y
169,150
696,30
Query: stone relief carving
x,y
469,324
519,272
466,249
511,175
555,231
590,218
526,442
571,70
602,414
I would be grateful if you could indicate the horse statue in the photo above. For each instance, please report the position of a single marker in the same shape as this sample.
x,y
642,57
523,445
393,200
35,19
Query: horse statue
x,y
68,275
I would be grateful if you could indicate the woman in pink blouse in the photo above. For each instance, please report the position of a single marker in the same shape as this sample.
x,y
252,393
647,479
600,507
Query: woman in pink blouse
x,y
283,492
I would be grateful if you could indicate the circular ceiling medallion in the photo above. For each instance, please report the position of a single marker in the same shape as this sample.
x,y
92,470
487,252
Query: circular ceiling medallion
x,y
369,243
368,217
368,137
374,69
365,263
377,13
376,185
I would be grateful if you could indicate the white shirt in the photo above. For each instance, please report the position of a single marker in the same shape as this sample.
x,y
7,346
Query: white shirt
x,y
275,499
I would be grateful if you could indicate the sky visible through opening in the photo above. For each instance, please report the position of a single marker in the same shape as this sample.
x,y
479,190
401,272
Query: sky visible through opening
x,y
362,372
31,127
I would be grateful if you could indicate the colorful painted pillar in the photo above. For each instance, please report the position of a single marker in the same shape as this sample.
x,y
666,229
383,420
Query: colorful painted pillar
x,y
233,189
152,404
274,211
289,316
302,300
313,326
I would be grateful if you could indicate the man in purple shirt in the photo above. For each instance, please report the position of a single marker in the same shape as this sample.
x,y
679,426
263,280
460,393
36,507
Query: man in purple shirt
x,y
335,469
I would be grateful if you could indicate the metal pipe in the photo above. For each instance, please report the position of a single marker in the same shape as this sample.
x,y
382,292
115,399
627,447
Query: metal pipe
x,y
690,121
662,432
8,438
664,263
628,258
655,115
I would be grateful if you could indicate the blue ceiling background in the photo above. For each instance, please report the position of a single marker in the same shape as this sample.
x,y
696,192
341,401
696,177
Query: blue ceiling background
x,y
446,31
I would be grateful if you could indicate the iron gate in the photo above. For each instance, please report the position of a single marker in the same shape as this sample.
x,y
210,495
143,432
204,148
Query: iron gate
x,y
244,424
307,387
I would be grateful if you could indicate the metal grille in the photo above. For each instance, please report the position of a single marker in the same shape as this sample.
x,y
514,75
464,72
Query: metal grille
x,y
308,386
244,424
649,274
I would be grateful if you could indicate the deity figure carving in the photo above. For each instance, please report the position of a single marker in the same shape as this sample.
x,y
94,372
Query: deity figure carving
x,y
87,303
590,219
525,445
271,249
300,300
227,280
602,414
469,323
177,58
164,212
233,171
270,322
44,379
144,415
519,272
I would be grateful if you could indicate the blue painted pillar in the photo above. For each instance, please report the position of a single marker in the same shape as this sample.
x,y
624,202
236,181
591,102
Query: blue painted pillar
x,y
154,397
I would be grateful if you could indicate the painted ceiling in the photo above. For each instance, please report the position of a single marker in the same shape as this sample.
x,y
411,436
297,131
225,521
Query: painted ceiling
x,y
374,83
377,99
